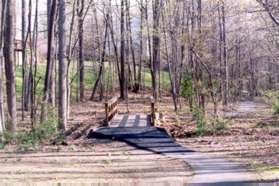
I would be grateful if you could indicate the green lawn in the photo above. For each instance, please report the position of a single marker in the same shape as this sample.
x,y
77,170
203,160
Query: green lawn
x,y
90,78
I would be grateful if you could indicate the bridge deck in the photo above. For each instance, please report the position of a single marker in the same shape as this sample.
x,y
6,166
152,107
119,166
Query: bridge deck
x,y
130,121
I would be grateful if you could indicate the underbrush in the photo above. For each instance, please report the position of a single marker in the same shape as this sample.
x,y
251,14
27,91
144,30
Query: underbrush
x,y
198,115
270,95
218,124
265,168
276,107
202,121
28,140
272,98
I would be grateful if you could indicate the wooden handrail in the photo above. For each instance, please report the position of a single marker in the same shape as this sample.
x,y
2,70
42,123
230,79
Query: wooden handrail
x,y
111,109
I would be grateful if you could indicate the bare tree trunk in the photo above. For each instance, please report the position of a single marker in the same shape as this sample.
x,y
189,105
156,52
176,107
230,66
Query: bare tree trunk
x,y
171,63
33,68
174,95
2,116
49,4
225,71
24,78
141,43
122,54
148,36
253,79
114,45
239,69
81,56
129,29
69,58
101,70
49,68
30,81
9,63
156,48
201,95
62,108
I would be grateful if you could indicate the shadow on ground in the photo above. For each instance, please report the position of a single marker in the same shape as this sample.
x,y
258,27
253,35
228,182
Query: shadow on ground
x,y
208,170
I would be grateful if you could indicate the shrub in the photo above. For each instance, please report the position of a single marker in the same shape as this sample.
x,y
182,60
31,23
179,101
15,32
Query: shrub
x,y
220,124
200,119
276,107
187,87
2,145
27,140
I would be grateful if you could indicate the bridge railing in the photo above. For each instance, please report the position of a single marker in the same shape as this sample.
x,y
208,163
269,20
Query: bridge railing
x,y
111,109
154,111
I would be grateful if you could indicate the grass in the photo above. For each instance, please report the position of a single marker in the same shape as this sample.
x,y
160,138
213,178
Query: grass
x,y
266,168
28,139
276,107
90,78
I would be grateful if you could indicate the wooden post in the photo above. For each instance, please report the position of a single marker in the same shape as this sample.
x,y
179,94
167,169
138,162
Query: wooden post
x,y
110,109
153,111
107,114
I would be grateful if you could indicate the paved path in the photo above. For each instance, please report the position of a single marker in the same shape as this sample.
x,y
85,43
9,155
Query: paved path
x,y
208,169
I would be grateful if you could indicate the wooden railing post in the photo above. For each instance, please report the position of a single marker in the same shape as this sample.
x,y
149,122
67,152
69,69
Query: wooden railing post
x,y
153,111
107,114
110,109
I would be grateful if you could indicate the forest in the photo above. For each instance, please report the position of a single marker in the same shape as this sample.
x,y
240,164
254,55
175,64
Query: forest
x,y
94,87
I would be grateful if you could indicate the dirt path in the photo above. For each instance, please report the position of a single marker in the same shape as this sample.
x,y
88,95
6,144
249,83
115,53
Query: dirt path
x,y
106,162
245,109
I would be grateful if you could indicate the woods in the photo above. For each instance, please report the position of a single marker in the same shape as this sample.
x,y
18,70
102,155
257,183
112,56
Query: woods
x,y
145,75
8,53
208,51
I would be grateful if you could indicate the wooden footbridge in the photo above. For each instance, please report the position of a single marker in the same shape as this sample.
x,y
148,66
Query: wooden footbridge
x,y
115,120
138,131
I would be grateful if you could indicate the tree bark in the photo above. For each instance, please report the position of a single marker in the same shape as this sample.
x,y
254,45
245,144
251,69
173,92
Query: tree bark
x,y
62,108
129,30
24,78
9,64
69,58
225,71
49,67
81,56
101,70
141,44
111,28
2,116
122,54
156,48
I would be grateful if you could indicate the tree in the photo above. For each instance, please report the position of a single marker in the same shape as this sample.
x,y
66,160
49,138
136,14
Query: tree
x,y
62,108
80,13
131,44
2,116
122,53
49,66
270,7
224,73
24,77
156,48
102,65
8,52
141,53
